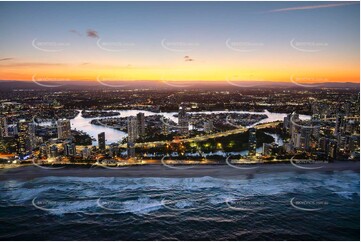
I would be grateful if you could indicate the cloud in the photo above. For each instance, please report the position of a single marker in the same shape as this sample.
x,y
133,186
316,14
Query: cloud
x,y
331,5
92,33
6,59
75,32
187,58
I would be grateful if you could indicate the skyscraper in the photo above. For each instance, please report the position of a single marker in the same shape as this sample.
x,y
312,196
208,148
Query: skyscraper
x,y
64,129
3,127
26,137
252,142
339,123
183,120
305,138
132,135
132,129
141,124
69,148
101,141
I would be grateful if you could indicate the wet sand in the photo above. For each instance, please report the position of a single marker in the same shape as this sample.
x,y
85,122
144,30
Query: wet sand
x,y
217,171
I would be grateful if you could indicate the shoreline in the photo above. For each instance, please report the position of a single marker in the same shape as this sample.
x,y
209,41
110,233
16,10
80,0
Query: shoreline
x,y
161,171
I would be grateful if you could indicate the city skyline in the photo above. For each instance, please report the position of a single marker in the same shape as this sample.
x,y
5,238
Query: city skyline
x,y
234,41
162,121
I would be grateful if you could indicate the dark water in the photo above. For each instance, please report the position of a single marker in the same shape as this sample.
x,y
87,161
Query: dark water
x,y
282,206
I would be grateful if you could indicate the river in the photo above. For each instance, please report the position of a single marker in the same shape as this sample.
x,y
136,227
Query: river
x,y
113,135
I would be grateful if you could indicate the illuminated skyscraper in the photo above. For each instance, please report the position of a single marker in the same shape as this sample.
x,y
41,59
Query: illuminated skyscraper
x,y
141,124
132,129
132,135
252,142
26,137
183,120
340,119
101,141
305,138
3,127
64,129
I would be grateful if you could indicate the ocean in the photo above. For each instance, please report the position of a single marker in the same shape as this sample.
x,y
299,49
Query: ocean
x,y
272,206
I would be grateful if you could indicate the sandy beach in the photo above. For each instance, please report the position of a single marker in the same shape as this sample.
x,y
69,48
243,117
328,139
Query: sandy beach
x,y
217,171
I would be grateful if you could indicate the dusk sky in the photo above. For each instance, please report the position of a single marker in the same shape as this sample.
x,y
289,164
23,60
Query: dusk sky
x,y
201,41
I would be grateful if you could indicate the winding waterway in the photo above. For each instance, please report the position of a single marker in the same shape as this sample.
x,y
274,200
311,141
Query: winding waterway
x,y
113,135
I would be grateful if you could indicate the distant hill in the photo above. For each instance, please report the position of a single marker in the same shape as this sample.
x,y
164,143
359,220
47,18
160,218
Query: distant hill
x,y
18,85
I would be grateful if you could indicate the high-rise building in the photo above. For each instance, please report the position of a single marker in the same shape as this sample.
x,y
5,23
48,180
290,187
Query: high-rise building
x,y
101,141
43,150
165,129
26,137
267,149
4,131
329,146
132,129
340,119
183,121
305,138
354,143
252,142
132,135
141,124
86,153
286,122
64,129
69,148
53,151
332,149
113,150
208,126
293,121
